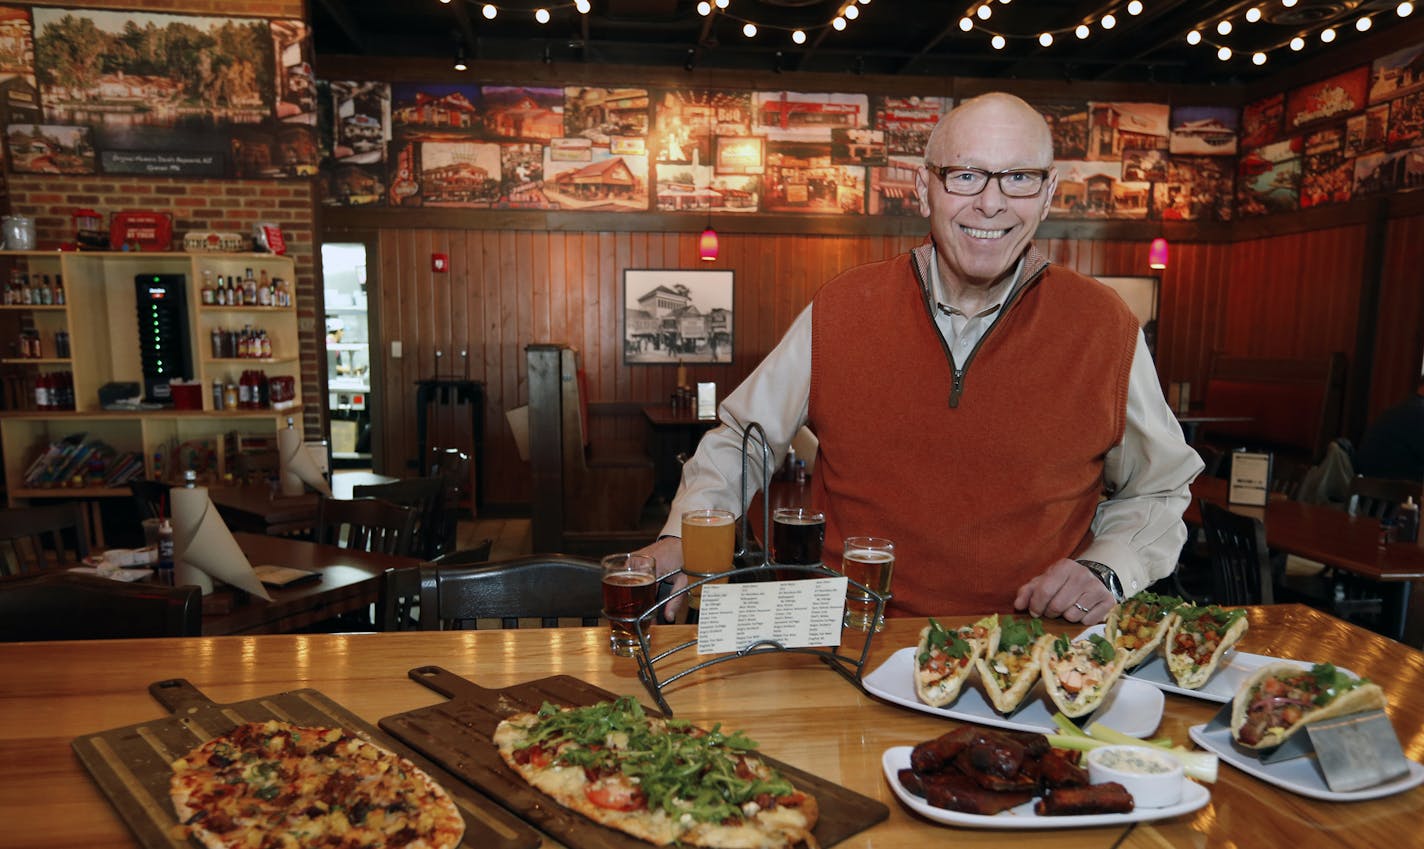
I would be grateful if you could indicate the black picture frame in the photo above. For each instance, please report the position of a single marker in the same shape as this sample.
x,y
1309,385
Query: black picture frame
x,y
674,315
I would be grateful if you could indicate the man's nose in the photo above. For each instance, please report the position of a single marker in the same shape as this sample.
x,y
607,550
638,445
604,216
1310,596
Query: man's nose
x,y
992,200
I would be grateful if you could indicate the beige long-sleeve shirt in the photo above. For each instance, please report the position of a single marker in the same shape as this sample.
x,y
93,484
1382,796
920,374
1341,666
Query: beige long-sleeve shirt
x,y
1138,530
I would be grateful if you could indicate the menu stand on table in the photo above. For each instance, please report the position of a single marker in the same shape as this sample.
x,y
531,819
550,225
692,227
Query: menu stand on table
x,y
851,668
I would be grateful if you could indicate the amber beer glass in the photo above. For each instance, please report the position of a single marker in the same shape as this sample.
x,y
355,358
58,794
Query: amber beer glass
x,y
630,587
869,561
708,542
796,537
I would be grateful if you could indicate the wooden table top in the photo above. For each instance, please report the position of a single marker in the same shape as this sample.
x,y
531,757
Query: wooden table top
x,y
800,711
1323,534
350,580
665,415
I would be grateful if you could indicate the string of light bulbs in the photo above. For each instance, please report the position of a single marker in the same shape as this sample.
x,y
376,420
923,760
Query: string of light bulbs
x,y
847,12
1107,19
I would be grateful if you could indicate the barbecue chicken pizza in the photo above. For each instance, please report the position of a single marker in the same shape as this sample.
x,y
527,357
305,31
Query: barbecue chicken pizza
x,y
660,780
273,785
945,658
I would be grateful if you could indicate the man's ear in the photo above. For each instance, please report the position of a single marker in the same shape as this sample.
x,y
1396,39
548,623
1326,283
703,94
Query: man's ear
x,y
1049,191
922,190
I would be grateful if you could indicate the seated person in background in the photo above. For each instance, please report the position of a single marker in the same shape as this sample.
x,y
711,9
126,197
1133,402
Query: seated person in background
x,y
1393,446
997,416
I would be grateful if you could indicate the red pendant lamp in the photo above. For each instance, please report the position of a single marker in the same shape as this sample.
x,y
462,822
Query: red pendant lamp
x,y
707,245
1157,253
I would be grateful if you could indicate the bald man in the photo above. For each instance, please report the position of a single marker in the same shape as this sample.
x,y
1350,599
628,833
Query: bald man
x,y
995,415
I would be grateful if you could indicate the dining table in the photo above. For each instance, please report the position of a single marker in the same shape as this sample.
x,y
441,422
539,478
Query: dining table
x,y
262,508
799,710
345,581
1333,537
673,430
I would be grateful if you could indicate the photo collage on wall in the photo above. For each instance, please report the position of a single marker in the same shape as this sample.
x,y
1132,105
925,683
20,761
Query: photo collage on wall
x,y
86,91
612,149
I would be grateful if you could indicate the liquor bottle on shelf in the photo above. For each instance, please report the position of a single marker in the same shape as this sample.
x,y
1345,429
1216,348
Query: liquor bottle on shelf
x,y
59,289
210,295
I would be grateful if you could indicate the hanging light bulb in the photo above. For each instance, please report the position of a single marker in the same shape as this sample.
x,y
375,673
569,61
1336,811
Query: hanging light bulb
x,y
851,12
1327,35
1157,253
707,245
1363,24
1046,39
1253,15
965,24
541,15
749,29
1194,37
1258,58
460,64
998,42
722,4
1223,53
1223,27
799,36
1297,43
1109,21
984,12
1082,31
582,6
489,11
1288,3
704,8
838,23
1134,8
1404,9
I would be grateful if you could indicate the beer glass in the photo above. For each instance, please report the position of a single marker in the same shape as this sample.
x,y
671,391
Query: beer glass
x,y
869,561
708,542
796,537
630,587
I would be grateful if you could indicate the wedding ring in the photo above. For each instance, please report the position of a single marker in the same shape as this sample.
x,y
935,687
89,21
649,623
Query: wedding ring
x,y
1080,607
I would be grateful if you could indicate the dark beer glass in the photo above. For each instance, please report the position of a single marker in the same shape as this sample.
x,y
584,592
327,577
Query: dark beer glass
x,y
797,534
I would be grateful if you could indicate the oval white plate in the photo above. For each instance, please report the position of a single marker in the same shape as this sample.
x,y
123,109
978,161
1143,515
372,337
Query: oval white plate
x,y
1134,708
1298,775
1194,797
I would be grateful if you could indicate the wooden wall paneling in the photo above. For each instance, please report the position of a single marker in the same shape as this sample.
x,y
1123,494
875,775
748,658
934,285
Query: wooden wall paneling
x,y
387,300
1400,341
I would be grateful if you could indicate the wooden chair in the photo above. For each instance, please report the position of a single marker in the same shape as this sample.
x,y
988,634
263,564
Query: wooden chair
x,y
60,605
453,467
399,603
34,539
547,587
1287,475
1378,498
582,501
426,497
366,524
1240,562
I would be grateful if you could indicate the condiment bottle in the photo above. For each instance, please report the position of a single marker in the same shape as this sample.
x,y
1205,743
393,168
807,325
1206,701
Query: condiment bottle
x,y
1406,521
164,573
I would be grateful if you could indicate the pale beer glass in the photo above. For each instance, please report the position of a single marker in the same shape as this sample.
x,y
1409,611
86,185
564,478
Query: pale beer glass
x,y
869,561
630,587
797,534
708,542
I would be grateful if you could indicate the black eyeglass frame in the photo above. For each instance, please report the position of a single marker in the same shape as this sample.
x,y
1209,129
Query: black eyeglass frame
x,y
942,171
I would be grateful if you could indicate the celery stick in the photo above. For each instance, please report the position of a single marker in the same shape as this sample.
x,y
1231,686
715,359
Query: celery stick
x,y
1067,727
1199,765
1077,742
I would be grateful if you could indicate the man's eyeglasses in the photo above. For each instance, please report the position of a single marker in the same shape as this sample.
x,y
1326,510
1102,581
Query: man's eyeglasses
x,y
1014,183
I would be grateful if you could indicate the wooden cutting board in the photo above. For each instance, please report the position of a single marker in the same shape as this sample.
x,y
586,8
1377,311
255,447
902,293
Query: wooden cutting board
x,y
457,735
131,764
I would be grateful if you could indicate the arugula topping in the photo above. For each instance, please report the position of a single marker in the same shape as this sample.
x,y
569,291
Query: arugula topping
x,y
948,642
1019,632
1102,650
1156,606
680,769
1332,683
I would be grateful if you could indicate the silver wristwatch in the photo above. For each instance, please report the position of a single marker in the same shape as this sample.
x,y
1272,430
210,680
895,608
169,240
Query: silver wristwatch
x,y
1106,575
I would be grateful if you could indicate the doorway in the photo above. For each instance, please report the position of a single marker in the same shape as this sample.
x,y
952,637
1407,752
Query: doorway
x,y
350,378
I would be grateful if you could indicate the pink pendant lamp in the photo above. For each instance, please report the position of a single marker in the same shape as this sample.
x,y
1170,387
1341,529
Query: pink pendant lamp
x,y
707,245
1156,254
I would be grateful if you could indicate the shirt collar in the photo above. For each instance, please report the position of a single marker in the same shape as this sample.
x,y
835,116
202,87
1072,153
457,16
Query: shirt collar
x,y
1000,291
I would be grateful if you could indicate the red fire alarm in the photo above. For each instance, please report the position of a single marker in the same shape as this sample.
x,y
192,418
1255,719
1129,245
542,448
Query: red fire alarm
x,y
439,262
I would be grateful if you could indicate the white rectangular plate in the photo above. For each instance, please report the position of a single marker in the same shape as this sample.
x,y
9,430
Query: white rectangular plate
x,y
1194,797
1221,687
1134,708
1298,775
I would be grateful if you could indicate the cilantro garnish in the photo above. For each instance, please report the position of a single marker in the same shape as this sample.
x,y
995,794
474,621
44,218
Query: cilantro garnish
x,y
1019,632
1102,650
1332,682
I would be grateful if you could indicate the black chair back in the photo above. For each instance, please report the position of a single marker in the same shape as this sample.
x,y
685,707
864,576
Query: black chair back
x,y
1240,562
426,497
33,539
366,524
60,605
547,587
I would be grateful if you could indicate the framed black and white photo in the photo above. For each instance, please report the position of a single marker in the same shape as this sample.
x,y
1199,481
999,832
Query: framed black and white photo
x,y
676,316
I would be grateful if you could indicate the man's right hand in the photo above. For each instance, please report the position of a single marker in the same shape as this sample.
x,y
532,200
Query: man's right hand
x,y
668,554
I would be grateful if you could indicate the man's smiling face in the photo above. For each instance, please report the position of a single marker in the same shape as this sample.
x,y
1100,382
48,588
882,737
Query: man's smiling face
x,y
979,238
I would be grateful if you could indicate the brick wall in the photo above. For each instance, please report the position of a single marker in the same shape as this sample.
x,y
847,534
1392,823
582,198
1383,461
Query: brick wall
x,y
225,205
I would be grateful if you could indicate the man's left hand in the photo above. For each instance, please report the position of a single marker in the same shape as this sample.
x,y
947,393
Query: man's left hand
x,y
1066,590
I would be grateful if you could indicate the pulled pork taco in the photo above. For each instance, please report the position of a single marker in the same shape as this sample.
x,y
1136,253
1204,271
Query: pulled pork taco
x,y
1199,639
1012,661
1137,625
1078,674
945,657
1282,698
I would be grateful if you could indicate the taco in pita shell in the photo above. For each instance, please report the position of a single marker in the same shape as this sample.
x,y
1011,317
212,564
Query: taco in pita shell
x,y
1012,661
1078,674
1282,698
1137,625
945,658
1197,641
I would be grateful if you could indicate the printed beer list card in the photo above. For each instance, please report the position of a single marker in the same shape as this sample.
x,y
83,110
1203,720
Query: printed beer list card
x,y
795,614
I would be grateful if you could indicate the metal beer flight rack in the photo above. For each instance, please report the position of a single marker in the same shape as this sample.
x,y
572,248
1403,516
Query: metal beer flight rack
x,y
850,668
